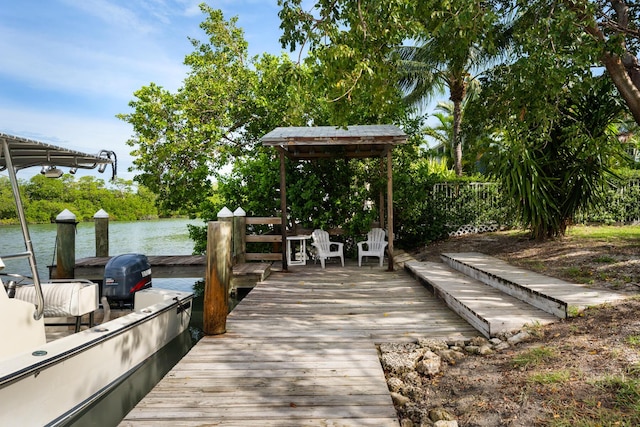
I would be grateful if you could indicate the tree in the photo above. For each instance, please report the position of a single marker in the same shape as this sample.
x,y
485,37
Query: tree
x,y
589,33
553,157
455,45
351,49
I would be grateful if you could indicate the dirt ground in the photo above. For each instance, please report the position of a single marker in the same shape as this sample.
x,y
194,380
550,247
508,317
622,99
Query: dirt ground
x,y
584,371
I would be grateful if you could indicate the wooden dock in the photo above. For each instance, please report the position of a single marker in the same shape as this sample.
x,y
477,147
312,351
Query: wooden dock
x,y
300,351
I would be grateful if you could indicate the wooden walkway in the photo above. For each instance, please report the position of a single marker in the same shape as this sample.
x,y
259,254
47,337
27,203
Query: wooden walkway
x,y
300,351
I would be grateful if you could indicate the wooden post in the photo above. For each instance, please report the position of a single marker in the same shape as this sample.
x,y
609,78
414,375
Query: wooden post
x,y
390,208
283,208
218,276
382,207
240,235
65,245
101,221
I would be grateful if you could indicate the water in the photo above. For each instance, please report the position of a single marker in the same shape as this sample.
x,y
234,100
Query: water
x,y
156,237
159,237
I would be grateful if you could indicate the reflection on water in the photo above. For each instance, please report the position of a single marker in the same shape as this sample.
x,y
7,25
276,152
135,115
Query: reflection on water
x,y
110,410
113,407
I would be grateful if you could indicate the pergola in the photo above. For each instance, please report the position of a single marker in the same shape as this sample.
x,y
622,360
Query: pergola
x,y
328,142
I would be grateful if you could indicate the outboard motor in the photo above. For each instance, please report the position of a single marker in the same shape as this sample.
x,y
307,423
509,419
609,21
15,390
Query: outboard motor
x,y
124,275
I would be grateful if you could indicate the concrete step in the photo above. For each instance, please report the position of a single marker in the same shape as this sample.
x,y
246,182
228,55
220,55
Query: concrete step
x,y
487,309
555,296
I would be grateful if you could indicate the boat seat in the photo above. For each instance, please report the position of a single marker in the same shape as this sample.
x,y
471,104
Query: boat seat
x,y
64,298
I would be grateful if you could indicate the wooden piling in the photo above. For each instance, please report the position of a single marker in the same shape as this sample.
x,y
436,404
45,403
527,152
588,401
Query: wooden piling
x,y
239,236
218,276
101,224
65,245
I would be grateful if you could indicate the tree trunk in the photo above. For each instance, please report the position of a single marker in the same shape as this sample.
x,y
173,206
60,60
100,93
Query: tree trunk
x,y
629,92
622,76
458,89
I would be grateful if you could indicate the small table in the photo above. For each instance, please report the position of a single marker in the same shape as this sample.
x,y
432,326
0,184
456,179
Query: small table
x,y
302,243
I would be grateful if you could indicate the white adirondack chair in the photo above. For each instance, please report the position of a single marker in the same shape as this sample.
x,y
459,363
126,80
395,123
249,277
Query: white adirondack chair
x,y
324,247
375,245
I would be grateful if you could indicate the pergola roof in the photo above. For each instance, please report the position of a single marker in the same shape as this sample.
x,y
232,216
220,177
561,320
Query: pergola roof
x,y
361,141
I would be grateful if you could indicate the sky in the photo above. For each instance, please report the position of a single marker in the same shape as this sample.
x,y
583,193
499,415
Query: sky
x,y
69,67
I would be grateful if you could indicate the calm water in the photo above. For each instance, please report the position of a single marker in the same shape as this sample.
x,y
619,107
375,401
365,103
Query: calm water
x,y
160,237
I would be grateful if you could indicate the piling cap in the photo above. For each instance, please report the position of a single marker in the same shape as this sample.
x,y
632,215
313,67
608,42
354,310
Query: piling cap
x,y
101,214
66,216
239,212
225,213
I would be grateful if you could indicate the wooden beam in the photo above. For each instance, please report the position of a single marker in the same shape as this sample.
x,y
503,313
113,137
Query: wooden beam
x,y
263,238
390,208
283,207
263,220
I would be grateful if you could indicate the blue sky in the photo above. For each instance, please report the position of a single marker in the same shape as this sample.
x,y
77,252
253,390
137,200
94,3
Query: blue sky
x,y
69,66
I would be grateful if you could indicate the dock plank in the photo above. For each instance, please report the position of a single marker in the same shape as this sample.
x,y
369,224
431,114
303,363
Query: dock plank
x,y
300,350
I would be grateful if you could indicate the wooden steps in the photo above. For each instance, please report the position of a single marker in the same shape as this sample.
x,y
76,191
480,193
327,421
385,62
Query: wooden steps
x,y
550,294
247,274
494,296
487,309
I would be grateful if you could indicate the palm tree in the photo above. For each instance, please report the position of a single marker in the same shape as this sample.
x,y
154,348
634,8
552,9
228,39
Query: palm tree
x,y
428,69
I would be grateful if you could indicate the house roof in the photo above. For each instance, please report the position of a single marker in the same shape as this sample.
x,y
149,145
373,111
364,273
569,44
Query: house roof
x,y
27,153
361,141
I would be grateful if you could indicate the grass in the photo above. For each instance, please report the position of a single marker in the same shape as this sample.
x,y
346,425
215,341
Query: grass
x,y
633,340
605,259
553,377
534,357
606,232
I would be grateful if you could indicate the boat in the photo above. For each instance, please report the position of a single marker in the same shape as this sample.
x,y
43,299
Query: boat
x,y
48,379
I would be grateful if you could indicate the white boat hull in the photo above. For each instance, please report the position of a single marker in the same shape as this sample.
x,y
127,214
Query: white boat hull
x,y
55,381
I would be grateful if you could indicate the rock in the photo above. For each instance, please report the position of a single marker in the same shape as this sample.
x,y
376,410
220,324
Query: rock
x,y
450,356
433,344
502,346
485,349
443,423
495,341
479,341
519,337
398,399
399,362
395,384
440,414
412,378
430,364
472,349
406,422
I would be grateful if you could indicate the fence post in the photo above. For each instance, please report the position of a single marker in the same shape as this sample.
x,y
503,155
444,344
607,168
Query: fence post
x,y
101,221
218,276
65,245
239,235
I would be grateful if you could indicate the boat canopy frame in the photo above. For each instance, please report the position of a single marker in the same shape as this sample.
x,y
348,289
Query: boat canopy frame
x,y
21,153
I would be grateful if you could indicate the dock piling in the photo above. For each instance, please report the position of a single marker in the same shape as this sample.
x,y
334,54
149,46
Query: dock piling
x,y
218,277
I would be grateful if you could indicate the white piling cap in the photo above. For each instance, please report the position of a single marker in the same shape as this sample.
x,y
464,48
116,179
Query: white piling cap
x,y
66,215
225,213
101,214
239,212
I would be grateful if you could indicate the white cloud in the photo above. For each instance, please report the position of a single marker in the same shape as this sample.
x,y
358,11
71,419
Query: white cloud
x,y
86,134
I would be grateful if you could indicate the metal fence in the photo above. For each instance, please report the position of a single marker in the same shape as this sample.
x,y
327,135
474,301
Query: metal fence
x,y
481,206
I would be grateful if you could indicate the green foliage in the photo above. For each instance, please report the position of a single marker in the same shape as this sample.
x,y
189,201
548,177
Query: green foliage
x,y
44,198
555,157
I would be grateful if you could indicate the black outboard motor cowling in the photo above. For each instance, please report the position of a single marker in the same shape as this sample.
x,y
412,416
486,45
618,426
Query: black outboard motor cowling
x,y
124,275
